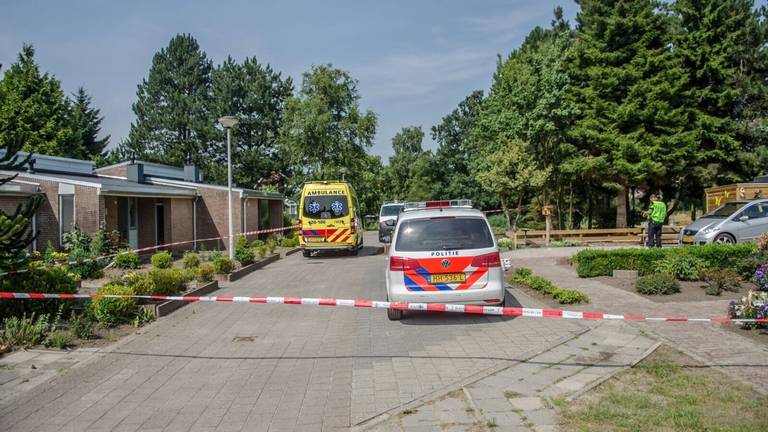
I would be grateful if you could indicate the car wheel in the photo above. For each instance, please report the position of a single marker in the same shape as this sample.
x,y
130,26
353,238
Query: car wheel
x,y
395,314
725,239
306,253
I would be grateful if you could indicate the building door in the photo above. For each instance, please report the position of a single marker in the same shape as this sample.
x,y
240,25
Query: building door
x,y
132,214
159,223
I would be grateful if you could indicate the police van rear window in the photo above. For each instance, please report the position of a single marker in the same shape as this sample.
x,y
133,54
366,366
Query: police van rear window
x,y
422,235
325,206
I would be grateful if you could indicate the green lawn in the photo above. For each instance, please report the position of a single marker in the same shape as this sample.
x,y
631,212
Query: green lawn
x,y
667,392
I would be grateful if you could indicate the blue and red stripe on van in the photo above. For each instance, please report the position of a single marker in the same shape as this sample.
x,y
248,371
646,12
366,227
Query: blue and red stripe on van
x,y
419,279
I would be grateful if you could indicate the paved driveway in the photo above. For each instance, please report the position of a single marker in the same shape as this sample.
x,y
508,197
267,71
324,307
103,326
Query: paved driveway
x,y
231,367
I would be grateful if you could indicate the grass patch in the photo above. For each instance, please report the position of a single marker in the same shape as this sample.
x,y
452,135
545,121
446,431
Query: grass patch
x,y
668,391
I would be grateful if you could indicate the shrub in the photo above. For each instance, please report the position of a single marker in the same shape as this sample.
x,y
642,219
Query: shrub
x,y
82,264
223,265
140,283
58,339
271,245
143,316
168,281
683,267
592,262
41,280
81,327
190,260
504,243
127,259
257,243
214,255
262,251
657,283
75,239
286,242
720,279
566,296
113,311
162,260
244,254
204,273
25,332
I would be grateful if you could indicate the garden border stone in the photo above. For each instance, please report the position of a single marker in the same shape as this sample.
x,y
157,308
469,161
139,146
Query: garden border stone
x,y
165,308
291,251
242,271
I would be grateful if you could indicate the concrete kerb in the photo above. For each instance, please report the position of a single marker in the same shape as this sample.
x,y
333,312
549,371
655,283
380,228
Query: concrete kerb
x,y
458,385
606,377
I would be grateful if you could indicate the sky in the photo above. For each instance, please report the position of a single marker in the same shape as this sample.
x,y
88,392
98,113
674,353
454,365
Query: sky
x,y
414,60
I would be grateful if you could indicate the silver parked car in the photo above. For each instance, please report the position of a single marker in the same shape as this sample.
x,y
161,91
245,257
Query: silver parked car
x,y
733,222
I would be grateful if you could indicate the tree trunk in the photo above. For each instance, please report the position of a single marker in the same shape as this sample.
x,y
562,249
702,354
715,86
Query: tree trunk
x,y
621,208
570,205
506,211
693,211
589,208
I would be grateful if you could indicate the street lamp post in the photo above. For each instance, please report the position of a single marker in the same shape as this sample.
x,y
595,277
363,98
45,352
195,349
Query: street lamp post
x,y
228,122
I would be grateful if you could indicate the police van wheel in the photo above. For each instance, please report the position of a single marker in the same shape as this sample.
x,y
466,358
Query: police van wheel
x,y
395,314
306,253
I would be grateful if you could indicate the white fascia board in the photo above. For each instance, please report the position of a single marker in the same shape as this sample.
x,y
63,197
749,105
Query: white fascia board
x,y
51,178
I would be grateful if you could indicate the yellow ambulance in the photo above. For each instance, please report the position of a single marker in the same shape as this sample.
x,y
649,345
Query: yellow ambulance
x,y
329,218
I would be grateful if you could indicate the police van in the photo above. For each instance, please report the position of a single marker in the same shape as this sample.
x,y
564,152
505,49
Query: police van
x,y
443,252
329,218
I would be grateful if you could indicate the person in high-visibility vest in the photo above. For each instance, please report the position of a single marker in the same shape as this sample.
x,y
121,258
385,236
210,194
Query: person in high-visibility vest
x,y
657,214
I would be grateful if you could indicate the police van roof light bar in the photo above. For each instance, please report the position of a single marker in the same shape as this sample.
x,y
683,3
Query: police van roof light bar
x,y
459,203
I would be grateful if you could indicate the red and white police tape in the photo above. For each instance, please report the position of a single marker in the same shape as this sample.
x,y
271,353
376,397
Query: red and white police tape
x,y
155,247
430,307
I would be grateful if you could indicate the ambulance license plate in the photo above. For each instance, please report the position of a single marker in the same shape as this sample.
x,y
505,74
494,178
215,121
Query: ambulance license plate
x,y
314,239
448,278
687,239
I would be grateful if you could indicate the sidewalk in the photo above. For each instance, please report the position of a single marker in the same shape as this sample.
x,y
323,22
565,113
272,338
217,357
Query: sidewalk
x,y
710,344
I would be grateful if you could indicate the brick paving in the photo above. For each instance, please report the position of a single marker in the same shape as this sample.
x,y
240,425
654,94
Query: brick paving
x,y
711,344
239,367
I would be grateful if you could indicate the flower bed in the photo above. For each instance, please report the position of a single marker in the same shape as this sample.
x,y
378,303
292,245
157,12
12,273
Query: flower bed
x,y
524,276
601,262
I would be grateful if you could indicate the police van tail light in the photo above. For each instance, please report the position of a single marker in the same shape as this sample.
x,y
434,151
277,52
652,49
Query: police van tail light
x,y
492,259
402,264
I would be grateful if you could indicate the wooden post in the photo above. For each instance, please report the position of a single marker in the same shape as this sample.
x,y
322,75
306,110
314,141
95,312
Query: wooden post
x,y
547,212
514,239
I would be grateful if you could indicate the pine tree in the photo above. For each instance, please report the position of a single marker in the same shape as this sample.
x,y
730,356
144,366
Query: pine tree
x,y
714,43
85,122
173,116
33,106
16,228
256,95
628,82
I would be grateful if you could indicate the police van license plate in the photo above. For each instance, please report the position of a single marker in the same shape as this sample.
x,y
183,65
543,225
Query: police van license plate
x,y
448,278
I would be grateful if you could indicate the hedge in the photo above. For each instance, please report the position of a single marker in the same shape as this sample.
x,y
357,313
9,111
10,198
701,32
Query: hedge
x,y
524,276
602,262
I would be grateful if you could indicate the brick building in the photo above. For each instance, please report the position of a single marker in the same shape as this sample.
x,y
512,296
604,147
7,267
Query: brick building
x,y
147,203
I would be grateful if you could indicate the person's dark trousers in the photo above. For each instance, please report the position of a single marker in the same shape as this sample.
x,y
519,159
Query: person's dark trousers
x,y
654,234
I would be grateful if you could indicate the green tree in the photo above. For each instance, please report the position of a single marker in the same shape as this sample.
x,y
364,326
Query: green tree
x,y
33,106
173,116
85,122
15,228
628,84
256,95
452,160
407,169
511,173
324,129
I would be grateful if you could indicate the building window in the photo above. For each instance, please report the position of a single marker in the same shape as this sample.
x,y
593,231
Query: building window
x,y
66,214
